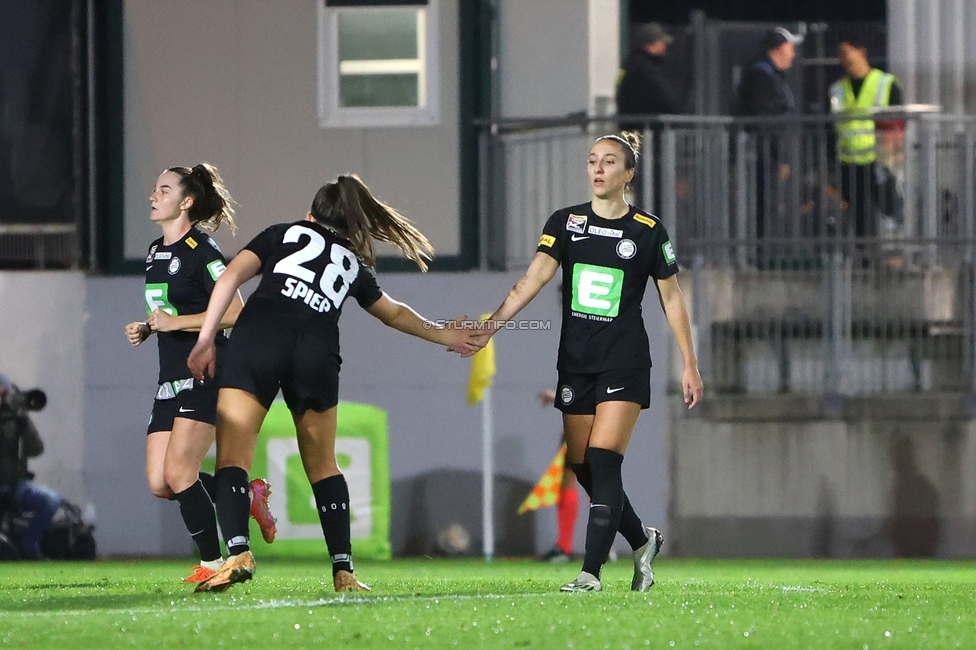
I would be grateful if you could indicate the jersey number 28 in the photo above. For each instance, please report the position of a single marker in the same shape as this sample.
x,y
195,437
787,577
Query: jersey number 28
x,y
337,276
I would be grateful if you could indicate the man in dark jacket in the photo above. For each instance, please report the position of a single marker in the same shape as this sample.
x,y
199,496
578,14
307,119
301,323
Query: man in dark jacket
x,y
763,90
644,89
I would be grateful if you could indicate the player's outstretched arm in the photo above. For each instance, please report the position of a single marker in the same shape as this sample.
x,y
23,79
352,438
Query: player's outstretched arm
x,y
203,355
401,316
540,271
673,302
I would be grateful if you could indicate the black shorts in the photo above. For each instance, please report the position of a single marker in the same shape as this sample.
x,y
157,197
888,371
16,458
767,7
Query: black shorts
x,y
193,401
578,394
299,363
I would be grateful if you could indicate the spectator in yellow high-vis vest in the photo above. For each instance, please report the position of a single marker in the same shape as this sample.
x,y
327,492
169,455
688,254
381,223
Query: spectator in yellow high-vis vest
x,y
862,89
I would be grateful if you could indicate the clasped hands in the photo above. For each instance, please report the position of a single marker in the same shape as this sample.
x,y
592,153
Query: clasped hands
x,y
468,337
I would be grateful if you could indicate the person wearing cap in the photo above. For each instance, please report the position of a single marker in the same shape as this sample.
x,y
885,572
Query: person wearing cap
x,y
763,89
645,89
863,88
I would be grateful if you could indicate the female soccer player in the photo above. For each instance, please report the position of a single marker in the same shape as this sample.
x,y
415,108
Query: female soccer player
x,y
287,337
181,269
607,249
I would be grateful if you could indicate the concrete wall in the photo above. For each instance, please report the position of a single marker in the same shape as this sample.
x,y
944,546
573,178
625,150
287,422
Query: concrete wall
x,y
790,476
63,332
234,82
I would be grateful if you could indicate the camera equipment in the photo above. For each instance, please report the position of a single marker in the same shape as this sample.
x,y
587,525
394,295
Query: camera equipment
x,y
33,399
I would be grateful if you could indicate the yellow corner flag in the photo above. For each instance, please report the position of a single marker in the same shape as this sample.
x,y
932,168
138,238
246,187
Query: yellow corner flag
x,y
482,370
546,491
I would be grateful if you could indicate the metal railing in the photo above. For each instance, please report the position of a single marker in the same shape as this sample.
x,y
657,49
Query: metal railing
x,y
805,275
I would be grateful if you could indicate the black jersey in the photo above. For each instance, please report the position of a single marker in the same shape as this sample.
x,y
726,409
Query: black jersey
x,y
179,279
307,272
606,263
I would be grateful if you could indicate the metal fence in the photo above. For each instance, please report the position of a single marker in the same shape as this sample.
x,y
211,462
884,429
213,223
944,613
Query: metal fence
x,y
805,275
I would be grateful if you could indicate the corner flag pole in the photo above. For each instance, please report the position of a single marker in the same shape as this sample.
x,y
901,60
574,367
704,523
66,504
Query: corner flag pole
x,y
487,477
479,390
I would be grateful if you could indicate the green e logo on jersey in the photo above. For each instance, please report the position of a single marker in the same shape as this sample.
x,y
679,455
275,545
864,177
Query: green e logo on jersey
x,y
157,297
668,251
596,289
216,269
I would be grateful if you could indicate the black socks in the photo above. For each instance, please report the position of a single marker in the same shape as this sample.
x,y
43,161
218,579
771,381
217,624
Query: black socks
x,y
198,515
234,508
607,500
631,526
209,484
332,503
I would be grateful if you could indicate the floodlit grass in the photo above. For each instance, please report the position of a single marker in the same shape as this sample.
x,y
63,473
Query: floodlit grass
x,y
505,604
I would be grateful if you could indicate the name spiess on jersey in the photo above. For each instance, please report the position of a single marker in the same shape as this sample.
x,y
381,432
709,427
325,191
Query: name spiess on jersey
x,y
298,290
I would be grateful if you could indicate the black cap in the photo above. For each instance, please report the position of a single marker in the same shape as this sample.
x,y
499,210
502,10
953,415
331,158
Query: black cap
x,y
779,35
648,33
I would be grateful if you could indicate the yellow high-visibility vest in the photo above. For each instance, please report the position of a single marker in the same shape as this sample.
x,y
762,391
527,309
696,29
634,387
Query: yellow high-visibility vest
x,y
857,139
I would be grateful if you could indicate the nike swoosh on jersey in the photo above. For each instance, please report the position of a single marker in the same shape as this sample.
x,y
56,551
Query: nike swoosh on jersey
x,y
578,238
614,390
183,410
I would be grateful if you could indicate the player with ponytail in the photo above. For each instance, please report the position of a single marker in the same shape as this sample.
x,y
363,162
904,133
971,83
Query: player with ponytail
x,y
287,338
607,249
182,267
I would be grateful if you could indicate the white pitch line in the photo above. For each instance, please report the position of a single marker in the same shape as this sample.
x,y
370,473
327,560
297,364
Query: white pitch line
x,y
274,604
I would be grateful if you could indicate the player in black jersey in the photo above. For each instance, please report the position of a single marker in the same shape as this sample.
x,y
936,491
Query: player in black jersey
x,y
608,249
181,269
287,337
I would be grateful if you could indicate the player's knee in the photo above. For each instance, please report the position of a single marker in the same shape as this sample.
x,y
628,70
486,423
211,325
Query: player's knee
x,y
179,477
158,487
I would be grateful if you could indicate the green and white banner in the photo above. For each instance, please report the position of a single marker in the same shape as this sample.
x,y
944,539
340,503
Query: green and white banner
x,y
362,452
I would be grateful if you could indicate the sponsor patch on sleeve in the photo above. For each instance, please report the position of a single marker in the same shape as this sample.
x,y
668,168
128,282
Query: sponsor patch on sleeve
x,y
216,269
647,221
668,251
191,242
547,240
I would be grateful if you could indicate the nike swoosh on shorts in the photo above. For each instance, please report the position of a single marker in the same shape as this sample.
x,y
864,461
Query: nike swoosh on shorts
x,y
614,390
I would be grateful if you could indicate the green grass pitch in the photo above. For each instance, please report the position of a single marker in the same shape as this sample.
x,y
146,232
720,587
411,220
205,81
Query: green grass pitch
x,y
503,604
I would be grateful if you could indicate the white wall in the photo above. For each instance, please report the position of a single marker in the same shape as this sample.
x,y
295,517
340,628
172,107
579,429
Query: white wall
x,y
558,56
603,21
543,60
42,344
233,82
